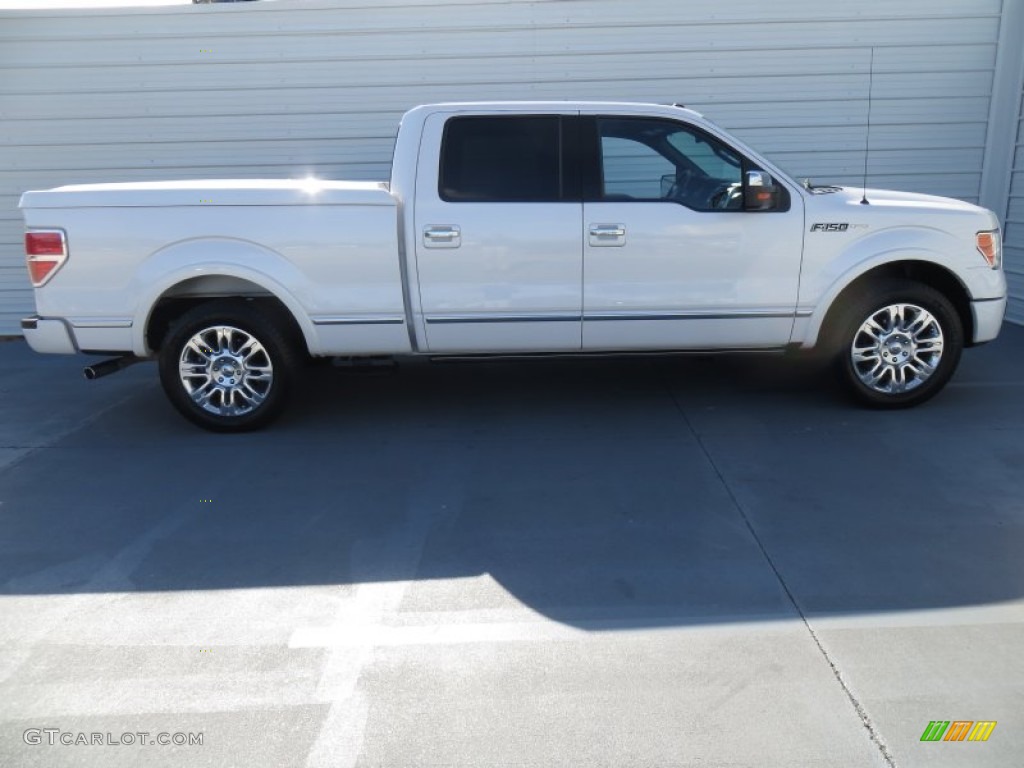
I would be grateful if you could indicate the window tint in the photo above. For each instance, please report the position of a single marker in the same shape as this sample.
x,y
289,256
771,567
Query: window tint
x,y
701,151
632,169
510,159
651,159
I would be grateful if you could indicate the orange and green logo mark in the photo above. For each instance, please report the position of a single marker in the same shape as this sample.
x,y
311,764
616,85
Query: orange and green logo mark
x,y
958,730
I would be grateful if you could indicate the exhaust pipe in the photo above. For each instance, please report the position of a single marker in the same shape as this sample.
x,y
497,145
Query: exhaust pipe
x,y
107,367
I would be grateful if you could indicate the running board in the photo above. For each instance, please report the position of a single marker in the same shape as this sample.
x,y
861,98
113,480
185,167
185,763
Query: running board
x,y
485,356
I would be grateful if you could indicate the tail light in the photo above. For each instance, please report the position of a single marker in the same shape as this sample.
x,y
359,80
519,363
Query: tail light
x,y
990,247
46,250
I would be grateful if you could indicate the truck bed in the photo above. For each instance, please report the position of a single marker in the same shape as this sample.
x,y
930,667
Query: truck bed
x,y
327,249
212,192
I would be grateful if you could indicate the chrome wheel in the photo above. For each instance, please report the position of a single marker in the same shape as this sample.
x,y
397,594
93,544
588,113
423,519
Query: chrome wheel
x,y
897,348
225,370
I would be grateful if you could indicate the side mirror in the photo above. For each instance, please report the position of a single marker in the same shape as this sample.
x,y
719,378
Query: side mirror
x,y
668,182
759,192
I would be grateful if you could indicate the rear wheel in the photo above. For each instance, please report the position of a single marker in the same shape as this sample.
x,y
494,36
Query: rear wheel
x,y
227,367
899,344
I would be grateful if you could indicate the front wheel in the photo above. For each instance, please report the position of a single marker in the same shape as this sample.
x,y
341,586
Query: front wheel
x,y
227,367
900,345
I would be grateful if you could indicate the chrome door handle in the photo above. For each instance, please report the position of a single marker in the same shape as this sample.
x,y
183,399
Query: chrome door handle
x,y
442,237
607,234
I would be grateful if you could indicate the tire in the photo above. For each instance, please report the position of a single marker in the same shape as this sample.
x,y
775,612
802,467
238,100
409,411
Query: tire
x,y
228,367
899,342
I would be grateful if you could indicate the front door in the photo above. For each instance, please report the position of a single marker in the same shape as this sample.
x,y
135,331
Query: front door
x,y
672,260
499,244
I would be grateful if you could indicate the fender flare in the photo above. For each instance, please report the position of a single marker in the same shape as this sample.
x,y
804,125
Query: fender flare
x,y
809,335
217,256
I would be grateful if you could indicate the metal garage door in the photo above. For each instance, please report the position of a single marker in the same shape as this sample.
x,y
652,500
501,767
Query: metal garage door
x,y
316,86
1013,237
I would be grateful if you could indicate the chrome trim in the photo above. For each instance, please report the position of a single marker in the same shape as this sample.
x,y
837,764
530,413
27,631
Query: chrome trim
x,y
611,316
758,179
59,260
521,318
30,323
225,371
442,234
101,322
357,320
897,348
606,235
735,315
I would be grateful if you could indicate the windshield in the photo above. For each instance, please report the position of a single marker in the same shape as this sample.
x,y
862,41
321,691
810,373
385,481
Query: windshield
x,y
779,166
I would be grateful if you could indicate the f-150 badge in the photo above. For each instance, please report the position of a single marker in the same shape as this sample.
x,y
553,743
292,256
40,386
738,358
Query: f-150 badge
x,y
831,227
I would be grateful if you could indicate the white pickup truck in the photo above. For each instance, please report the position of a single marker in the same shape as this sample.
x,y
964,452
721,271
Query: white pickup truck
x,y
515,228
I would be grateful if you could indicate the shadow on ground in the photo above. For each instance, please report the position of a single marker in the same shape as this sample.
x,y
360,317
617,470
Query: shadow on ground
x,y
603,492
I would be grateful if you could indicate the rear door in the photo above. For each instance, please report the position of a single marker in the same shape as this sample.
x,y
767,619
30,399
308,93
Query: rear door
x,y
499,243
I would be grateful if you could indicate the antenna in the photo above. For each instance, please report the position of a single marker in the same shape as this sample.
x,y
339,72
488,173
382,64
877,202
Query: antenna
x,y
867,140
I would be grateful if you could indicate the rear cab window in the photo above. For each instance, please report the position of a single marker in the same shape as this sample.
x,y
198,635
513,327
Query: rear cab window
x,y
502,159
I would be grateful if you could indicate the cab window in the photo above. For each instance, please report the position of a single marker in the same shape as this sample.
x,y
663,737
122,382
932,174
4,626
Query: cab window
x,y
501,159
662,160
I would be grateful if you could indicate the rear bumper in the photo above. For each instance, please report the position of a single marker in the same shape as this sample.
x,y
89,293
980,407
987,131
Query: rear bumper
x,y
988,318
48,335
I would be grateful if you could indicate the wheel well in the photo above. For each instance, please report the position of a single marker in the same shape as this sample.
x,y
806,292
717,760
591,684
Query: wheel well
x,y
932,275
179,299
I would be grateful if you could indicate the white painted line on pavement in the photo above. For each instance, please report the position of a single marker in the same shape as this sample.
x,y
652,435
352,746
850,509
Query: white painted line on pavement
x,y
340,740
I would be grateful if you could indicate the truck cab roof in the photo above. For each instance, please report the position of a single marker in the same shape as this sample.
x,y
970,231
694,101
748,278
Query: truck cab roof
x,y
615,107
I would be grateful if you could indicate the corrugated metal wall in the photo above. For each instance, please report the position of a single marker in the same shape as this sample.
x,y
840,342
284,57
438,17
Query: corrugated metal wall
x,y
1013,256
290,88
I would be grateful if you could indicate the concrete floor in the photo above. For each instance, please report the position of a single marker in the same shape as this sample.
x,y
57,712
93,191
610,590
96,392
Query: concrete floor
x,y
639,562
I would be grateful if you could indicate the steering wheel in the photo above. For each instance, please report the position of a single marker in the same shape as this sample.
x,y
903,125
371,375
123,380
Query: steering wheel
x,y
722,196
681,185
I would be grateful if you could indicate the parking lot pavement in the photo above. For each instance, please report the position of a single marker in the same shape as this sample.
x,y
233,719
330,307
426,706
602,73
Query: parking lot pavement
x,y
708,561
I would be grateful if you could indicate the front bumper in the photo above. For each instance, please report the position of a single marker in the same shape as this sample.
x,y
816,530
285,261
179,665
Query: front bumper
x,y
48,335
988,318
